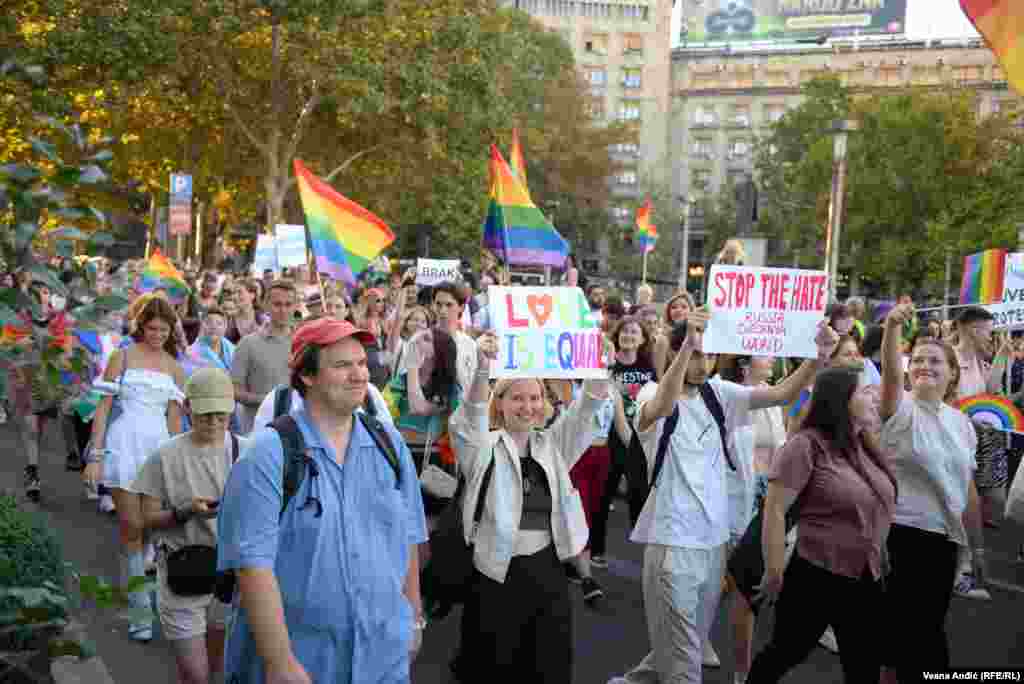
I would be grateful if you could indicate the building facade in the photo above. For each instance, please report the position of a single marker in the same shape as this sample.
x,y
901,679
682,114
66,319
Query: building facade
x,y
723,101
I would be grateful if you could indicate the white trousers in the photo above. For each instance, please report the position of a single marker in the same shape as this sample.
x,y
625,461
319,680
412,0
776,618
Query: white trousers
x,y
682,588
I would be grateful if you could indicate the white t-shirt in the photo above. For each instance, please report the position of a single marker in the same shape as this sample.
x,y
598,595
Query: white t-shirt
x,y
265,413
689,505
931,449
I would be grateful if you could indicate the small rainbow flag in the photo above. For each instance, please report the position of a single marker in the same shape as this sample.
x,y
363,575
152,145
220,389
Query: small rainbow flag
x,y
983,277
1001,22
161,273
345,237
517,162
647,234
515,230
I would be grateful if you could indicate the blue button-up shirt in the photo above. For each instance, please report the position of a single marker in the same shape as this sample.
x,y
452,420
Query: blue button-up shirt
x,y
341,575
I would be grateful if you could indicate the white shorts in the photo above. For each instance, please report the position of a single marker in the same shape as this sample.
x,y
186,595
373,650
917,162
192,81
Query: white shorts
x,y
187,617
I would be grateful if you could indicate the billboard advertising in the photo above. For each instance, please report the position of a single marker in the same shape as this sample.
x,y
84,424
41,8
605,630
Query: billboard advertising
x,y
721,21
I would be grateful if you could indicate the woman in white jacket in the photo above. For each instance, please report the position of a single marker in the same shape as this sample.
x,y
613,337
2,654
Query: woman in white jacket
x,y
518,619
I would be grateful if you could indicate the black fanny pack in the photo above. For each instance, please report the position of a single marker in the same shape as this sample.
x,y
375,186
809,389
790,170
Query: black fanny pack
x,y
192,570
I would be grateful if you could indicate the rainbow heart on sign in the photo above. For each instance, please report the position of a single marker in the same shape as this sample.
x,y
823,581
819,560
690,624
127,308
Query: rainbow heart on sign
x,y
994,410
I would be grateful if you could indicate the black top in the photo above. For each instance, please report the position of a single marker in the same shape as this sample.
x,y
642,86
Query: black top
x,y
536,495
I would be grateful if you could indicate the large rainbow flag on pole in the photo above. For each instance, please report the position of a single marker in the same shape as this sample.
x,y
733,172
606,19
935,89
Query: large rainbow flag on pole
x,y
161,273
515,230
1001,22
517,162
345,237
982,281
647,234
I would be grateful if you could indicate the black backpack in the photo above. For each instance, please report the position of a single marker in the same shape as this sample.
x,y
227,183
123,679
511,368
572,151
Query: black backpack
x,y
707,393
297,462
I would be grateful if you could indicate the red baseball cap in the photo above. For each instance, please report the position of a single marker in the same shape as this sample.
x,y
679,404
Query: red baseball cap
x,y
324,332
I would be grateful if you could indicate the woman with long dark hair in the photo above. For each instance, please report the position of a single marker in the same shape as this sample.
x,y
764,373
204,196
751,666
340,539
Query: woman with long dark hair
x,y
147,381
845,493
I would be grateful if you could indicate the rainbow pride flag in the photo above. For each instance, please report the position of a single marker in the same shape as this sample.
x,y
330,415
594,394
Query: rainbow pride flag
x,y
515,230
647,234
161,273
517,162
1001,22
345,237
983,277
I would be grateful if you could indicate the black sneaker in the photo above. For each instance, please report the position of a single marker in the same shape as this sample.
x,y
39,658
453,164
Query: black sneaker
x,y
74,463
591,590
32,483
572,573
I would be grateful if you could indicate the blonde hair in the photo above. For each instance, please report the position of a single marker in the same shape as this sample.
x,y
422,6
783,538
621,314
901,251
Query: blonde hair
x,y
732,253
497,420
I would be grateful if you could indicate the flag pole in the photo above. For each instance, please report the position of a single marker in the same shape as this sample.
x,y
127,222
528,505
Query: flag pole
x,y
644,275
323,293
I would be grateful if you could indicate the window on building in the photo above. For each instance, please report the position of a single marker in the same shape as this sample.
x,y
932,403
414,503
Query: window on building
x,y
774,112
700,179
596,43
629,111
620,214
645,14
626,177
631,78
632,44
631,149
702,148
739,115
890,76
738,150
705,116
596,76
968,73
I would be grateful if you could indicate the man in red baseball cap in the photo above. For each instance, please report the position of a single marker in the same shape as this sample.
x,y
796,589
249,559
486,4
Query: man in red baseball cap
x,y
342,550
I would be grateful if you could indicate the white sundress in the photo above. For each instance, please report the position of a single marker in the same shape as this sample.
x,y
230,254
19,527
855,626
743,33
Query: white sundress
x,y
142,426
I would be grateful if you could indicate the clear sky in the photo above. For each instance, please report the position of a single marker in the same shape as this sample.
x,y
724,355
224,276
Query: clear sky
x,y
925,19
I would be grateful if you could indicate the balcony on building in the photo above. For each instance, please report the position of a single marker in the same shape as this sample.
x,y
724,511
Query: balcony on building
x,y
704,117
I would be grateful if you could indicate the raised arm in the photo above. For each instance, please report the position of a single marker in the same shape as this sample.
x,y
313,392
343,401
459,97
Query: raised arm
x,y
789,389
470,424
671,384
999,363
892,360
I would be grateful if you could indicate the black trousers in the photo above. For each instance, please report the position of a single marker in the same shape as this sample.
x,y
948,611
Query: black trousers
x,y
917,596
519,631
813,598
628,460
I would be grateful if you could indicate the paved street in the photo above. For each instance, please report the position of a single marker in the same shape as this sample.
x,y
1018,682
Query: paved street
x,y
608,640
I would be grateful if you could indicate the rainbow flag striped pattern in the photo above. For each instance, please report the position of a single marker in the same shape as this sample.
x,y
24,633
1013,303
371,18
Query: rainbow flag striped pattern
x,y
983,277
161,273
647,234
515,230
1001,22
345,237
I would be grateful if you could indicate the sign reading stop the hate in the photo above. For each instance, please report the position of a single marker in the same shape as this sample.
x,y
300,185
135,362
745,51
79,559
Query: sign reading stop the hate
x,y
545,332
765,311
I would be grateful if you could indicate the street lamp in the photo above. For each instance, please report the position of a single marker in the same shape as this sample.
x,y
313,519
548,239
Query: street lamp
x,y
684,272
840,132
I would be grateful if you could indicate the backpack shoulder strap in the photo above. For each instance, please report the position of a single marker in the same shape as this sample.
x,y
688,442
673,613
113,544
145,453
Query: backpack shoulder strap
x,y
369,405
710,397
666,435
479,512
234,447
282,400
294,470
384,444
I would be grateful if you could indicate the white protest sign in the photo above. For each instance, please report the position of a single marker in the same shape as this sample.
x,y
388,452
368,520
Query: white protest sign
x,y
291,245
266,254
434,271
545,332
1010,314
765,311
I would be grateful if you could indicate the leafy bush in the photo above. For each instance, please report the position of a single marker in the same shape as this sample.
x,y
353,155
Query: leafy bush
x,y
32,573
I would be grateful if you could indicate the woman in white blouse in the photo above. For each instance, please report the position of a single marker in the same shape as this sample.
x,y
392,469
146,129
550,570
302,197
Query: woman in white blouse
x,y
518,621
932,447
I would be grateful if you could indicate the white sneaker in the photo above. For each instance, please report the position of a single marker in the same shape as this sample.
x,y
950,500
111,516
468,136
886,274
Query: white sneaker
x,y
967,587
107,504
618,680
710,657
828,640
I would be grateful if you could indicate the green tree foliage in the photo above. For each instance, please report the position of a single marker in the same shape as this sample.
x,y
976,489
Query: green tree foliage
x,y
925,173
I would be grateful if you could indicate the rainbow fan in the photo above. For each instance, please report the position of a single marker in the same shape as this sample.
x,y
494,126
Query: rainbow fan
x,y
994,410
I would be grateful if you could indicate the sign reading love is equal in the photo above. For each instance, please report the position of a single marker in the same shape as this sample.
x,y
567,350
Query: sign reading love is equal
x,y
545,332
765,311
